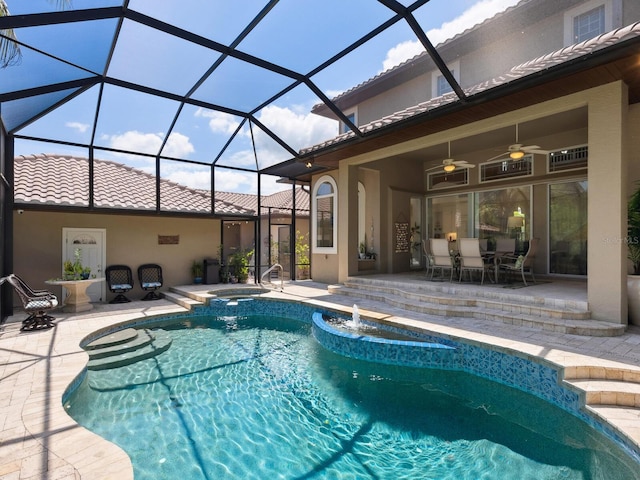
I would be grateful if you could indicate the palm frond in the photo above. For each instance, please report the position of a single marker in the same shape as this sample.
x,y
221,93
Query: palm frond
x,y
9,50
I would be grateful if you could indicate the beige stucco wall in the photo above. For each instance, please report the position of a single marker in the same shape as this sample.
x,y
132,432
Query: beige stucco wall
x,y
130,240
610,173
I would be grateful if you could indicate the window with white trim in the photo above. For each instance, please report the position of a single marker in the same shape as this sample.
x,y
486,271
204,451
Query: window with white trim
x,y
439,84
590,19
325,220
352,118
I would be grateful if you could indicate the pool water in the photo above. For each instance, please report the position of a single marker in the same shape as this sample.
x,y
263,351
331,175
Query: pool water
x,y
257,398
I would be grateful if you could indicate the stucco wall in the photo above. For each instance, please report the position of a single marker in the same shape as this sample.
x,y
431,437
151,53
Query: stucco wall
x,y
130,240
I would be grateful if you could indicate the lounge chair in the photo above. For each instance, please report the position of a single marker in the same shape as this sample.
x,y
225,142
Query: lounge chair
x,y
119,280
150,277
521,264
35,302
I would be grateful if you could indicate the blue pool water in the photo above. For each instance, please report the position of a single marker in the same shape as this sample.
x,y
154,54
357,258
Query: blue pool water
x,y
256,397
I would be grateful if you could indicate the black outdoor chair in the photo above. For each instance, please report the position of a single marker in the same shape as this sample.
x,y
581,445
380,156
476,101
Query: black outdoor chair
x,y
119,280
35,302
150,276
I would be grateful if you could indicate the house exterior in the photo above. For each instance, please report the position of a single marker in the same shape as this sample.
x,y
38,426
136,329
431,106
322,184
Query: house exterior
x,y
51,199
385,185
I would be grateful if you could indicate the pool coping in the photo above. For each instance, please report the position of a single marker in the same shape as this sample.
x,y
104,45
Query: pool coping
x,y
39,436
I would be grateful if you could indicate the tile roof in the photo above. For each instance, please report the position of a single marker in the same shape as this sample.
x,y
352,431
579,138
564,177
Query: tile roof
x,y
48,179
519,71
279,202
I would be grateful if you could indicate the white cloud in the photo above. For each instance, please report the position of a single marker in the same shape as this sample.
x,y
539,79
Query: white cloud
x,y
219,122
189,177
401,52
234,181
475,14
80,127
296,126
178,145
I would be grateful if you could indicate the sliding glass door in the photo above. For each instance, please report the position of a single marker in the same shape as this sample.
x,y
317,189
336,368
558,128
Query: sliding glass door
x,y
568,228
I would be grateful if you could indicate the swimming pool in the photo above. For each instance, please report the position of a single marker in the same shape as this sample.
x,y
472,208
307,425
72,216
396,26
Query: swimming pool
x,y
256,396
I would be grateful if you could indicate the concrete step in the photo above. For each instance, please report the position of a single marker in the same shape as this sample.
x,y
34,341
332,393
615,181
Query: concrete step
x,y
625,420
161,342
609,392
115,338
182,299
585,371
141,339
449,301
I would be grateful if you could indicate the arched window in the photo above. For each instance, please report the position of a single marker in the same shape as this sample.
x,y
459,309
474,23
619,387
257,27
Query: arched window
x,y
324,226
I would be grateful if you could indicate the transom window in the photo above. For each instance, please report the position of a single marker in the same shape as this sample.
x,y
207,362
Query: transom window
x,y
506,168
569,159
325,207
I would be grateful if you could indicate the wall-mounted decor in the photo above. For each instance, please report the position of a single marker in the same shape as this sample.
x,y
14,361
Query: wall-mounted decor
x,y
402,236
168,239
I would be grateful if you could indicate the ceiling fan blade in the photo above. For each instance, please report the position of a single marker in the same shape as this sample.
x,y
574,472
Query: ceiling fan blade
x,y
530,147
502,155
439,167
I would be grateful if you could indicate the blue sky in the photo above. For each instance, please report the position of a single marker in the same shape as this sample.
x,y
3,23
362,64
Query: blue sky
x,y
297,34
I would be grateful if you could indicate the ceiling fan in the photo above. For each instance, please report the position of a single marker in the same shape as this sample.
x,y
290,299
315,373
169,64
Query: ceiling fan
x,y
449,164
517,150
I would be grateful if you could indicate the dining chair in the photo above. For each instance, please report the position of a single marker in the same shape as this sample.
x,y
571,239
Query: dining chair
x,y
428,257
442,259
471,259
522,263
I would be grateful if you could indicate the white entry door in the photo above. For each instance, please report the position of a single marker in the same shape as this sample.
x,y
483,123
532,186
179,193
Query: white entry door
x,y
91,243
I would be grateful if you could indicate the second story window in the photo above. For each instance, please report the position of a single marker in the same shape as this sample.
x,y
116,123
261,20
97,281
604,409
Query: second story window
x,y
589,24
591,18
439,84
352,118
443,86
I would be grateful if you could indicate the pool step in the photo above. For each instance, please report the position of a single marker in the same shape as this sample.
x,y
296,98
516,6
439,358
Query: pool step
x,y
611,394
450,301
113,354
184,298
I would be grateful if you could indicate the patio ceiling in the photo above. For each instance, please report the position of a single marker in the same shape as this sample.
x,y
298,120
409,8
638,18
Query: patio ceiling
x,y
227,84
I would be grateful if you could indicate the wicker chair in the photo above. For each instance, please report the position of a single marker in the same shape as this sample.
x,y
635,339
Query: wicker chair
x,y
35,302
119,280
150,277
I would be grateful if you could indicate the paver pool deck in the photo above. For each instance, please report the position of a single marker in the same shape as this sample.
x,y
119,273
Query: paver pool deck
x,y
39,440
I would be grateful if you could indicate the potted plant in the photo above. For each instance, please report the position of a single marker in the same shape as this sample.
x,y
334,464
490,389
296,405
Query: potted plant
x,y
68,270
302,255
363,251
86,272
239,265
196,271
633,253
